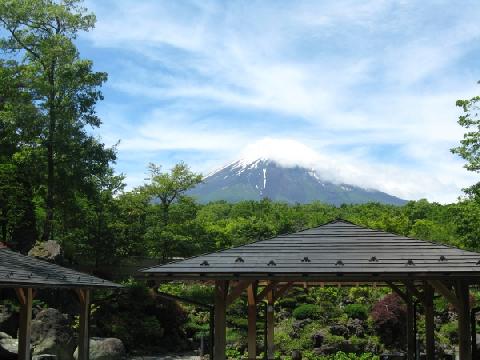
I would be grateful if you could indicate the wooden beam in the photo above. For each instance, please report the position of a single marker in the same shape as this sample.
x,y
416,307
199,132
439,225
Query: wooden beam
x,y
83,331
398,291
282,290
270,287
414,291
464,335
410,327
236,291
252,321
446,292
25,296
221,288
270,325
429,321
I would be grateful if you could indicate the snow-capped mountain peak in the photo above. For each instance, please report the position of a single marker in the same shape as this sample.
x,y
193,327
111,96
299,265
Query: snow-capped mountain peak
x,y
254,179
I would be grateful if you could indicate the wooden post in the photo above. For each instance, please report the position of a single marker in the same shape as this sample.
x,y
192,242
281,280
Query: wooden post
x,y
25,296
429,322
83,331
270,325
220,319
410,327
464,335
252,323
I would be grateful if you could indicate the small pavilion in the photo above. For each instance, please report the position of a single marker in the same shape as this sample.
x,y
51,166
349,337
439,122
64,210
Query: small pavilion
x,y
26,274
337,253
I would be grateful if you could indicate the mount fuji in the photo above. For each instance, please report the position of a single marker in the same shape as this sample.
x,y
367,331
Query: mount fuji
x,y
267,178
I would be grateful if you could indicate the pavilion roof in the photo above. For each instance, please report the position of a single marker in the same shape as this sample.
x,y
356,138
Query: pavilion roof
x,y
338,250
17,270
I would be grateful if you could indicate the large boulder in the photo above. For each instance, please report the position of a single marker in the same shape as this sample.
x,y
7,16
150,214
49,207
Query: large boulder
x,y
317,339
8,347
52,334
339,330
49,250
105,349
356,327
8,320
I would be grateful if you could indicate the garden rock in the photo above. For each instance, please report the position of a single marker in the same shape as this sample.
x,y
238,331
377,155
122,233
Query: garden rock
x,y
296,355
44,357
105,349
49,250
52,335
318,339
8,320
325,349
8,347
339,330
297,327
356,327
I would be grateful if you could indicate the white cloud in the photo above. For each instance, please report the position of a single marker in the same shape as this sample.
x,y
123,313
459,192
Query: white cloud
x,y
351,76
350,169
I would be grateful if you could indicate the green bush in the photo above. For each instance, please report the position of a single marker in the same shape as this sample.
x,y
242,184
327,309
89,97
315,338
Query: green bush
x,y
307,311
356,311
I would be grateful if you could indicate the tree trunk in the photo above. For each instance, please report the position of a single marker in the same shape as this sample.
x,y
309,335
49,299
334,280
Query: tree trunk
x,y
48,226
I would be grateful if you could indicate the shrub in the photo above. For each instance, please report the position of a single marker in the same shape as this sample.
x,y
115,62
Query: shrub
x,y
388,317
356,311
307,311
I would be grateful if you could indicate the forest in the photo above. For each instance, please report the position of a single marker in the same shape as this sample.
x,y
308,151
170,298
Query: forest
x,y
58,182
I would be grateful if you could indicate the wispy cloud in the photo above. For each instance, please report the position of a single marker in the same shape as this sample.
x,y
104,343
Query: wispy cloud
x,y
371,83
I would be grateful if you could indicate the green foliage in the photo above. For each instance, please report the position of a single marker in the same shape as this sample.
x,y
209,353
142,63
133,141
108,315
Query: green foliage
x,y
307,311
356,311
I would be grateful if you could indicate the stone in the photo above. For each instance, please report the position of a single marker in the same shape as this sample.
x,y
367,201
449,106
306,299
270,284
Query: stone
x,y
9,320
8,347
44,357
356,327
296,355
297,327
49,250
105,349
339,330
52,334
318,339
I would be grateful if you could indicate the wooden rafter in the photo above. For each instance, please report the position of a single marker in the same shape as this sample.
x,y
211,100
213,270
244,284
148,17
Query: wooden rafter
x,y
236,290
398,291
414,291
446,292
282,290
270,286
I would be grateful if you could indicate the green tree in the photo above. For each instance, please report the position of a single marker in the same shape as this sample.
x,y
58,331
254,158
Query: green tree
x,y
469,148
65,90
168,187
167,237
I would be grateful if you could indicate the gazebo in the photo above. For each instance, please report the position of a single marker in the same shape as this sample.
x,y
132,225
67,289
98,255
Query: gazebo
x,y
339,253
26,274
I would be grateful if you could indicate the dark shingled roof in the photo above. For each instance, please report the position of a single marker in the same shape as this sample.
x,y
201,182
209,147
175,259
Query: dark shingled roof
x,y
17,270
338,251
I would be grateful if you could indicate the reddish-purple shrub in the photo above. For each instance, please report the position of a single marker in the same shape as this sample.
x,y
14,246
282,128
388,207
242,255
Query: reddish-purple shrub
x,y
389,317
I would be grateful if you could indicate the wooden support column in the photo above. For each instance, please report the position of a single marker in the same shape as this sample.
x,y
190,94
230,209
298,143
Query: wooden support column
x,y
270,325
429,321
220,331
25,296
464,335
410,327
83,331
252,322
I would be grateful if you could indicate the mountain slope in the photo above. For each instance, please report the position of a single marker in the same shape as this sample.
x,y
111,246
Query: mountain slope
x,y
265,178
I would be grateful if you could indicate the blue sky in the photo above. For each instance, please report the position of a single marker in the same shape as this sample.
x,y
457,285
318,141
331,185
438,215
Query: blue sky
x,y
362,90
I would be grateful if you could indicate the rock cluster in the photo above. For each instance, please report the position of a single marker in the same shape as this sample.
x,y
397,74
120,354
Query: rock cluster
x,y
53,338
